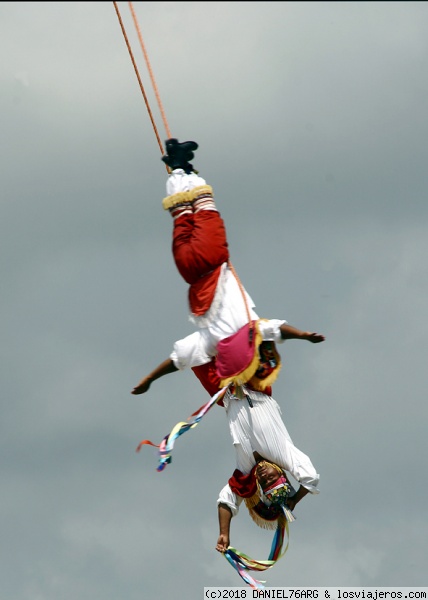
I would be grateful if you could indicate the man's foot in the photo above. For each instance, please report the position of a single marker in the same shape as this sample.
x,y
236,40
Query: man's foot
x,y
179,154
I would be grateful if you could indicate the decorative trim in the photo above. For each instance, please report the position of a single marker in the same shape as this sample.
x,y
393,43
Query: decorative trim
x,y
199,192
180,198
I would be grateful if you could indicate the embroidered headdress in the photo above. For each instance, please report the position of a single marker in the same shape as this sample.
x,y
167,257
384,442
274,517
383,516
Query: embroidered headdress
x,y
268,506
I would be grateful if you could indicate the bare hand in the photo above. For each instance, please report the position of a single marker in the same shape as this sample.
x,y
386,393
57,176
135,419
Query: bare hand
x,y
142,387
222,543
315,338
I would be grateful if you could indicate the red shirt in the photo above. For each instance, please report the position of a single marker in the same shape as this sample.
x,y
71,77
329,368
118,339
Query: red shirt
x,y
207,375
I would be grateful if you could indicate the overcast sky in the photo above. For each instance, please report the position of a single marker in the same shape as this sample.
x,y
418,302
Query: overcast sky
x,y
312,126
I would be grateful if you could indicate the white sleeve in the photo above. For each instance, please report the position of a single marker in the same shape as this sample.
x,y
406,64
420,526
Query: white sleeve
x,y
190,352
229,498
270,330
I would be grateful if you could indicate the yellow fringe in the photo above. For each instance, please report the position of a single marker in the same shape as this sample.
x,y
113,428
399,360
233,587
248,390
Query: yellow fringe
x,y
248,375
251,502
245,375
200,190
178,198
259,521
186,197
262,384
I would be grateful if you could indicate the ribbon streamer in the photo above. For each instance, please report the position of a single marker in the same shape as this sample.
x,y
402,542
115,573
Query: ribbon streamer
x,y
242,563
167,444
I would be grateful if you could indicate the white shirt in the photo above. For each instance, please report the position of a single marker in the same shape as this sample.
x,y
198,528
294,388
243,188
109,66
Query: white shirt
x,y
199,347
261,428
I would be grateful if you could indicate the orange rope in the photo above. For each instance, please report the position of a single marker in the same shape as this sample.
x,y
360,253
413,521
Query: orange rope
x,y
168,133
149,68
241,289
138,77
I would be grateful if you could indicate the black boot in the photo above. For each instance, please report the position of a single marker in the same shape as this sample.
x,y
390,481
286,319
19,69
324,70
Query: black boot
x,y
179,154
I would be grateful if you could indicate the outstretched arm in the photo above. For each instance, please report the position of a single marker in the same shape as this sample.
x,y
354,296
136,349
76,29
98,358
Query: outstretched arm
x,y
224,518
301,493
291,333
166,367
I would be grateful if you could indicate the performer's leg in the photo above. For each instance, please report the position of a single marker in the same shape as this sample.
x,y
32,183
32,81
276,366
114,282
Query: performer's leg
x,y
179,154
179,181
199,237
270,434
179,201
199,244
183,179
267,434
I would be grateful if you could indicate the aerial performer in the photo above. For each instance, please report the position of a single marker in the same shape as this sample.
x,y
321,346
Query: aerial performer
x,y
228,327
264,455
233,348
269,498
256,428
233,353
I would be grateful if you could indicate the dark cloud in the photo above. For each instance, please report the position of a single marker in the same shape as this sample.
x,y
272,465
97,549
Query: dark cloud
x,y
311,121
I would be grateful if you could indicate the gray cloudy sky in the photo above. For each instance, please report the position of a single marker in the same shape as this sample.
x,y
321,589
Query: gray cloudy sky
x,y
312,125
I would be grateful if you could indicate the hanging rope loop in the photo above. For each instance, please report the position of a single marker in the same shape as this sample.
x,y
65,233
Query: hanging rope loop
x,y
138,77
149,68
161,109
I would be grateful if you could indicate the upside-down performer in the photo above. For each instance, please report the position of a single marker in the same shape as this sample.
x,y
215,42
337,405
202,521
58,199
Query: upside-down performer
x,y
269,498
232,350
264,453
228,326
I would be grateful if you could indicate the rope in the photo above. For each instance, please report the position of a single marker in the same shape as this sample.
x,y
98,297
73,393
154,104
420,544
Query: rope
x,y
139,78
149,68
155,88
241,562
241,288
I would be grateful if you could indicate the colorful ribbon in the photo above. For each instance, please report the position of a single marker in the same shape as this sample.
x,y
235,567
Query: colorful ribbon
x,y
167,444
243,563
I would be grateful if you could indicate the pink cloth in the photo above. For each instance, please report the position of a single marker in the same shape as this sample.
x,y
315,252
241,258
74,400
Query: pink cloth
x,y
235,353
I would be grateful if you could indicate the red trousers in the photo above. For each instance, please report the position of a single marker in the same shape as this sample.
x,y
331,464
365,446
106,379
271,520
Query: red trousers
x,y
199,247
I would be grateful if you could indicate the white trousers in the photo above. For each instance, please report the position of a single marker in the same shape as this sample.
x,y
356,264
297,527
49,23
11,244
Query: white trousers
x,y
180,181
260,428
